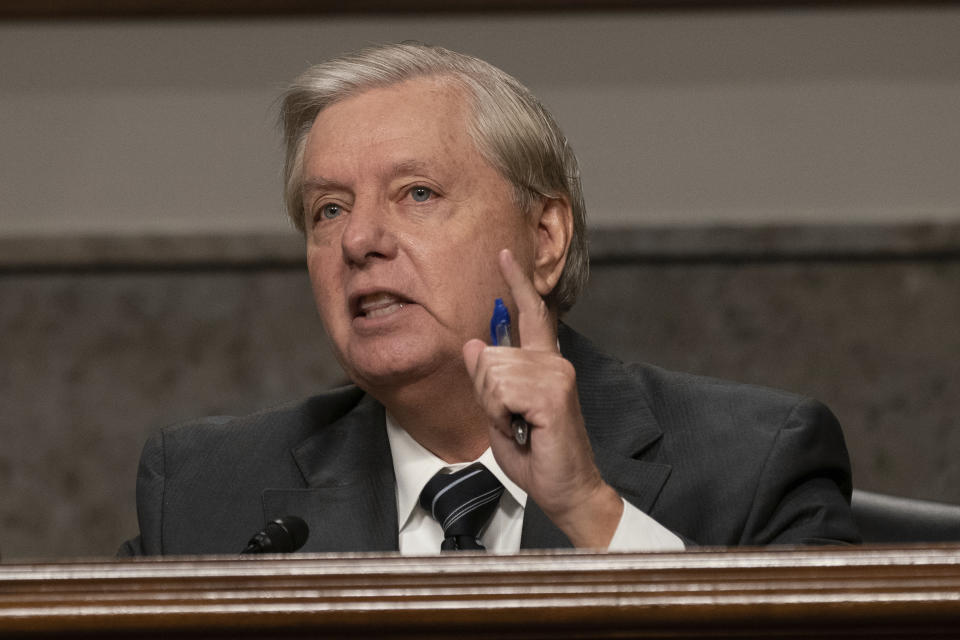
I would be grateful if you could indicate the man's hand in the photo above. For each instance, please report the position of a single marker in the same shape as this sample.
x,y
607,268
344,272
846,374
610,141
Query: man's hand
x,y
556,468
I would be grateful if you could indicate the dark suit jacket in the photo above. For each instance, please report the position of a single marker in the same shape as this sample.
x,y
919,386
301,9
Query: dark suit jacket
x,y
716,462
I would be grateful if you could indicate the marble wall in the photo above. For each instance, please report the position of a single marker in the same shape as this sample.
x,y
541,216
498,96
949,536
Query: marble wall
x,y
96,355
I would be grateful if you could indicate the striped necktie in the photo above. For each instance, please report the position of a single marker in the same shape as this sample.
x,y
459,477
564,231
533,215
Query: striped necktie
x,y
463,503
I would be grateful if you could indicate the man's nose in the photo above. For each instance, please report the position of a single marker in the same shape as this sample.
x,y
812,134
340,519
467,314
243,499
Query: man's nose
x,y
367,235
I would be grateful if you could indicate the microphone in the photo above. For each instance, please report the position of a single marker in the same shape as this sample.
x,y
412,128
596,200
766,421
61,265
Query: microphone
x,y
283,535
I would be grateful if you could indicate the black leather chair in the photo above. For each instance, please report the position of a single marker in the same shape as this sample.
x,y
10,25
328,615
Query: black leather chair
x,y
885,518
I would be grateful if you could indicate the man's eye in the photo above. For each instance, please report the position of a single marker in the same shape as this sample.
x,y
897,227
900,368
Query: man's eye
x,y
421,194
329,211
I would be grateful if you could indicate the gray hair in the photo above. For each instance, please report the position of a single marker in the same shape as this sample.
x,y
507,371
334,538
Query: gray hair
x,y
511,128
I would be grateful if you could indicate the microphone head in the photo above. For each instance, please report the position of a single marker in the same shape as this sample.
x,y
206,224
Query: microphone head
x,y
290,532
283,535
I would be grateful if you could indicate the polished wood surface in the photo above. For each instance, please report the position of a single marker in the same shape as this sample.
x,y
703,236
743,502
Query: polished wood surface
x,y
905,592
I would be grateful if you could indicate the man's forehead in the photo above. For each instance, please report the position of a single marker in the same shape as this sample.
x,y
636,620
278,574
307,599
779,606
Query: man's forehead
x,y
396,130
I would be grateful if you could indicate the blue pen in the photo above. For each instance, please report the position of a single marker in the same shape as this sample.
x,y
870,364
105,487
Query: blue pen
x,y
500,337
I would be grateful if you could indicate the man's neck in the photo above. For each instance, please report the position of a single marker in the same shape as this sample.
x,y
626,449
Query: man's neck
x,y
441,414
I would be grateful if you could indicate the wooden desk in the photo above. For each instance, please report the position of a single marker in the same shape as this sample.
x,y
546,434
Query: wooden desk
x,y
869,592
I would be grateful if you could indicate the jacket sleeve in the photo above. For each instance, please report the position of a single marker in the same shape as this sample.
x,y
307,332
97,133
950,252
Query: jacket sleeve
x,y
803,492
150,485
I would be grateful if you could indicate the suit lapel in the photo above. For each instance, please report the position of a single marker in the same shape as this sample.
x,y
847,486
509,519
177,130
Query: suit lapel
x,y
622,431
349,502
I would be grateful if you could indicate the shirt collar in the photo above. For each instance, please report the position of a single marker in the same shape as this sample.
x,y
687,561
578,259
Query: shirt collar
x,y
414,465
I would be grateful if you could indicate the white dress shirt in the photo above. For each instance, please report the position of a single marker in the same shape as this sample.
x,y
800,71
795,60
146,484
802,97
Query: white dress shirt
x,y
413,466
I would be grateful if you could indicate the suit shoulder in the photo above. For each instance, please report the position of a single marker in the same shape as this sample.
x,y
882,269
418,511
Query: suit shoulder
x,y
688,401
681,400
276,427
666,385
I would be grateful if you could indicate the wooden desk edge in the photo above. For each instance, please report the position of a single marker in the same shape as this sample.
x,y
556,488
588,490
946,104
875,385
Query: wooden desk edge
x,y
902,591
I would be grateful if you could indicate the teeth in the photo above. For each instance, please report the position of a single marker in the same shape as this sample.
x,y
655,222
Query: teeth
x,y
379,304
385,311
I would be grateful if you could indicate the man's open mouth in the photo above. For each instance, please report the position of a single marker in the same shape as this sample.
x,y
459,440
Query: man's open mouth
x,y
378,304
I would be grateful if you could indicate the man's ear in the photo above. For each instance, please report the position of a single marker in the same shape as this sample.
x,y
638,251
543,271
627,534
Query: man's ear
x,y
554,232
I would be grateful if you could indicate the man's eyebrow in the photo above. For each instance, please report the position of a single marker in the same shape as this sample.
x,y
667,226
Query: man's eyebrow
x,y
406,167
402,168
323,184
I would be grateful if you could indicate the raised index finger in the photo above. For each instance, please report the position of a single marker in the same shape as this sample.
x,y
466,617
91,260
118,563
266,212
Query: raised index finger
x,y
534,323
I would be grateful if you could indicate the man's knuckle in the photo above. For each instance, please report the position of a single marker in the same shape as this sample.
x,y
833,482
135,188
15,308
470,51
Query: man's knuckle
x,y
497,388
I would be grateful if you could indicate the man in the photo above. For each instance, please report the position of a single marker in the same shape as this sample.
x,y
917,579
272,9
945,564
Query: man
x,y
428,184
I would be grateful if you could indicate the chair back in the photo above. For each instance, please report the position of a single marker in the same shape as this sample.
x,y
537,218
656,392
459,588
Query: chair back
x,y
886,518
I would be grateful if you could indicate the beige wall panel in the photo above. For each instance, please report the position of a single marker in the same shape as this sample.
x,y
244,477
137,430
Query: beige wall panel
x,y
686,117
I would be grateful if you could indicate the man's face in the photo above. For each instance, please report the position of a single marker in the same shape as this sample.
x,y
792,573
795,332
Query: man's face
x,y
404,222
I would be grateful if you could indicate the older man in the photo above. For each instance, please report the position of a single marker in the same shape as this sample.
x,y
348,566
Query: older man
x,y
427,185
